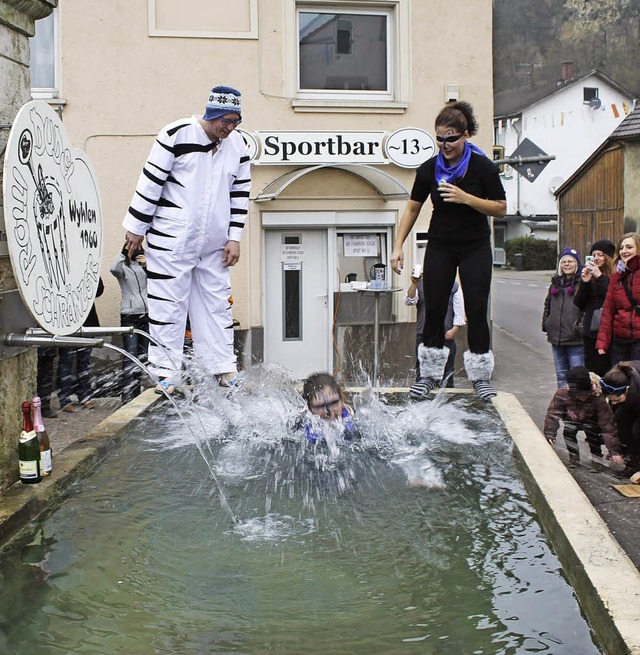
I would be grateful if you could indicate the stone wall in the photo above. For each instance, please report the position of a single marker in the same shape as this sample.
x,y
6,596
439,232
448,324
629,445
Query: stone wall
x,y
18,373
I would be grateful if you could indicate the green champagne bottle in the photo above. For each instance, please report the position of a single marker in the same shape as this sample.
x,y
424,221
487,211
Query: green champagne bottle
x,y
29,449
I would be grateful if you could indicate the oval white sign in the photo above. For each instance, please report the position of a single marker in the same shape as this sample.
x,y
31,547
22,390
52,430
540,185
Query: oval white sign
x,y
53,220
409,147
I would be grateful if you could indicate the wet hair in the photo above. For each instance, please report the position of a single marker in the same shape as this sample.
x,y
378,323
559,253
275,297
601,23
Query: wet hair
x,y
315,383
629,235
458,114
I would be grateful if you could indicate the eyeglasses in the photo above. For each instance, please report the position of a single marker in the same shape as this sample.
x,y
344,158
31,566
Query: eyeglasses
x,y
448,139
231,121
612,391
326,405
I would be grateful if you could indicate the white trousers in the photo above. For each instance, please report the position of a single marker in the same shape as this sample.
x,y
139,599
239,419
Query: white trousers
x,y
200,289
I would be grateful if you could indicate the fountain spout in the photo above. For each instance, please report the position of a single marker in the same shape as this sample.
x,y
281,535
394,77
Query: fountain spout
x,y
85,331
50,340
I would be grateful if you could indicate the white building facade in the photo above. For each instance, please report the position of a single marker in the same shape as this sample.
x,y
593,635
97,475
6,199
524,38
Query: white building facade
x,y
569,120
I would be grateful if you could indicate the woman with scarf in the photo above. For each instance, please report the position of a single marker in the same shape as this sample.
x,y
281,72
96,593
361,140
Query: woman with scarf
x,y
562,319
464,186
619,331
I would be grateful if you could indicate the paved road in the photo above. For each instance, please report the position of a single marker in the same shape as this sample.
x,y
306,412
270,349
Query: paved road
x,y
518,299
524,362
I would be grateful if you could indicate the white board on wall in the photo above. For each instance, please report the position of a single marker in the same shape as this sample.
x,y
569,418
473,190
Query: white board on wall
x,y
53,220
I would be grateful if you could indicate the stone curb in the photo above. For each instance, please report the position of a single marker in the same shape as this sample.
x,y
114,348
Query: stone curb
x,y
602,575
22,503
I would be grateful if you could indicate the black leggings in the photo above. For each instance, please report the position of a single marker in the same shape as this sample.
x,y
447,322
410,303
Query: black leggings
x,y
475,265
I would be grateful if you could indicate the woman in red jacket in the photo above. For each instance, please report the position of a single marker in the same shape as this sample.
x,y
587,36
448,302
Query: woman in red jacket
x,y
620,324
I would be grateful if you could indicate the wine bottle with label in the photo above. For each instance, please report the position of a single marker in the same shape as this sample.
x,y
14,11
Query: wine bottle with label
x,y
29,449
46,464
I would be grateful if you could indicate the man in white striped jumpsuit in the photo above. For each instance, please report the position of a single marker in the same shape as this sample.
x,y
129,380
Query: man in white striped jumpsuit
x,y
191,203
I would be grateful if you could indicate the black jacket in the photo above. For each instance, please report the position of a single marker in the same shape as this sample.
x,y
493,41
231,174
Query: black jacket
x,y
588,298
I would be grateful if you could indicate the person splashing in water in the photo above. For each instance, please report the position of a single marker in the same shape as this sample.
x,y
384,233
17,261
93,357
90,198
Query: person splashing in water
x,y
325,400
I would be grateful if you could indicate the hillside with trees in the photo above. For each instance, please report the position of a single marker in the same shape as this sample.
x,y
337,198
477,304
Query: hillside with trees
x,y
532,37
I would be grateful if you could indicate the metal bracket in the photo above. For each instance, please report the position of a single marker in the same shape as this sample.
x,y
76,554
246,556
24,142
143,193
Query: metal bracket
x,y
14,317
18,332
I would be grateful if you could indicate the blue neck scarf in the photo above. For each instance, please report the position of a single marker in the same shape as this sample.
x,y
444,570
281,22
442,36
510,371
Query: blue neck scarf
x,y
457,171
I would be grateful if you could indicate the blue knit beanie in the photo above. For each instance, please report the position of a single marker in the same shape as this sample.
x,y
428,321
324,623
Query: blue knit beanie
x,y
222,100
571,253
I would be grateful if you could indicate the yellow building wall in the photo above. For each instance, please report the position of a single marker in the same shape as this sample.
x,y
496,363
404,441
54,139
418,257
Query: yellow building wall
x,y
121,85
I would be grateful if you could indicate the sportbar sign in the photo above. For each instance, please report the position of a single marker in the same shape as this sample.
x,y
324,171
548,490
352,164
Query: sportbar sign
x,y
53,220
320,147
407,147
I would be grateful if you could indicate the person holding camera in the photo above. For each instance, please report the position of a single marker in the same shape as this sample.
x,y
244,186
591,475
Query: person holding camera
x,y
619,333
452,322
589,298
131,273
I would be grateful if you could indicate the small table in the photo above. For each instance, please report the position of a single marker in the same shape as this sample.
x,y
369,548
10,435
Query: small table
x,y
376,321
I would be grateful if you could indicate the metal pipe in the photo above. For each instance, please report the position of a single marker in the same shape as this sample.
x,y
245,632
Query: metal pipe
x,y
86,331
51,341
516,161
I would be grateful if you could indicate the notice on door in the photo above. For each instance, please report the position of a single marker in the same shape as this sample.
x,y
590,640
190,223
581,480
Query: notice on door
x,y
360,245
291,253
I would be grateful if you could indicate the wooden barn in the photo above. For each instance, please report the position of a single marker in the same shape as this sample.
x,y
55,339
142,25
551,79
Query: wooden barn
x,y
601,200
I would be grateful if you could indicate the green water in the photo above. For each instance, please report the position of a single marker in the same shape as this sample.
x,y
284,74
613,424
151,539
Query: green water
x,y
334,556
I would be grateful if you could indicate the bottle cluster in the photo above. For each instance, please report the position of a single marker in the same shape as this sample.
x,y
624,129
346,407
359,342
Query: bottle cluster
x,y
34,446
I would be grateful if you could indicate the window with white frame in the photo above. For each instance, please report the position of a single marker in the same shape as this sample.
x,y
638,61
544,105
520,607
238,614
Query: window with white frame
x,y
346,54
44,57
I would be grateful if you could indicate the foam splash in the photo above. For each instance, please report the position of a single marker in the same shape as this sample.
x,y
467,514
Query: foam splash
x,y
274,527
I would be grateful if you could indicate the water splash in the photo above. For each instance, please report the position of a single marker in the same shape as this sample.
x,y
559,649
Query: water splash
x,y
249,439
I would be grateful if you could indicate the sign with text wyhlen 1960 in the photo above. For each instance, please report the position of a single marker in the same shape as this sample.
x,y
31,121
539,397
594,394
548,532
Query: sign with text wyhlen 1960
x,y
53,220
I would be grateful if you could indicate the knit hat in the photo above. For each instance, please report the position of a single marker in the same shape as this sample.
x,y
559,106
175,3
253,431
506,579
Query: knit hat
x,y
222,100
604,245
571,253
578,379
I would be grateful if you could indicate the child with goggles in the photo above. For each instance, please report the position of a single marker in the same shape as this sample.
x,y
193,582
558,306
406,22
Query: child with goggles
x,y
581,408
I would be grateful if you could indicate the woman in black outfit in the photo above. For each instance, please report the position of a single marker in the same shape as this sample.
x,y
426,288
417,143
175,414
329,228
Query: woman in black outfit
x,y
590,297
465,187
